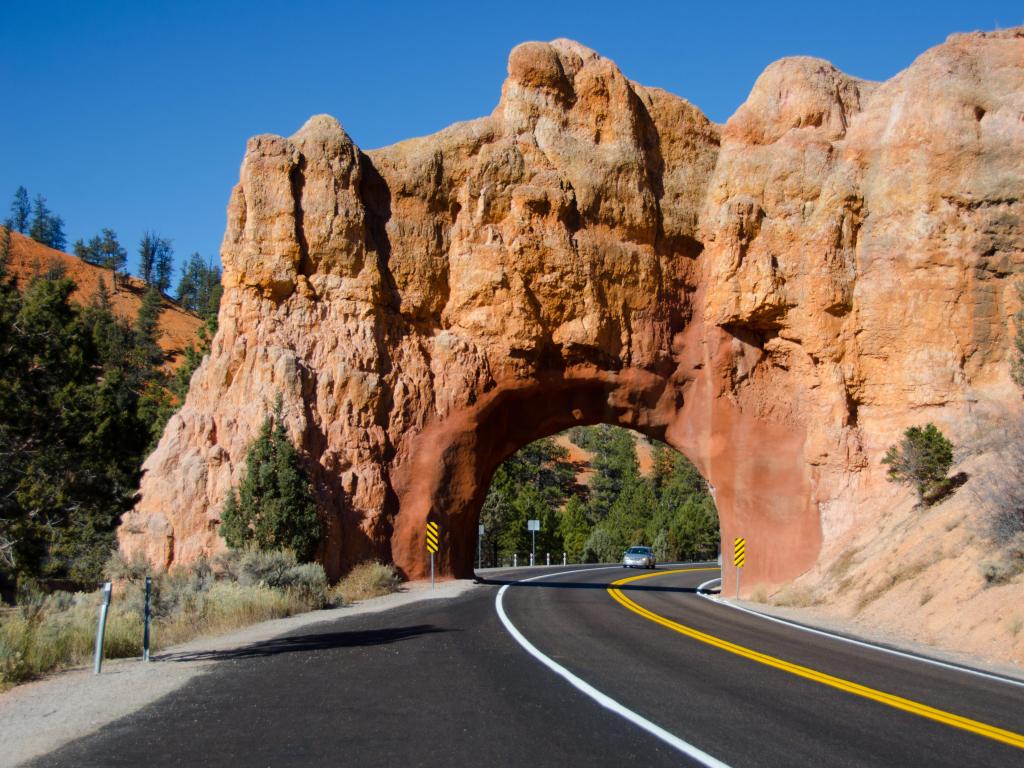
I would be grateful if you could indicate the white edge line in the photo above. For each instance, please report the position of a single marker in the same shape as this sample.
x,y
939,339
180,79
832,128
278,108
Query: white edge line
x,y
861,643
605,701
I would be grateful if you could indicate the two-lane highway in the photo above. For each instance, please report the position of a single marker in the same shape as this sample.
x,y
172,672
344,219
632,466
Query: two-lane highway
x,y
568,669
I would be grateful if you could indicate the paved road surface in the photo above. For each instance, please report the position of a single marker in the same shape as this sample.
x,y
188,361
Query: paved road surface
x,y
443,683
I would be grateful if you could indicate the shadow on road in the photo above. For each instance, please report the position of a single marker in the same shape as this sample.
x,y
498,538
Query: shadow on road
x,y
310,642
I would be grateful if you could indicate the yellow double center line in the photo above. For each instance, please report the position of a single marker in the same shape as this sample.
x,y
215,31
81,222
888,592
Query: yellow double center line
x,y
897,702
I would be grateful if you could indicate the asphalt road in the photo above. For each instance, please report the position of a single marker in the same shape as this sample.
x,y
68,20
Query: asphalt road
x,y
443,683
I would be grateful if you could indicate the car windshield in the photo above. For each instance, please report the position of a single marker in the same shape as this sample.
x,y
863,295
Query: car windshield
x,y
637,551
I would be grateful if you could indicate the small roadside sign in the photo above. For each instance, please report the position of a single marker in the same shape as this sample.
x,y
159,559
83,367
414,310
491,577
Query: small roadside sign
x,y
739,552
533,525
739,559
433,539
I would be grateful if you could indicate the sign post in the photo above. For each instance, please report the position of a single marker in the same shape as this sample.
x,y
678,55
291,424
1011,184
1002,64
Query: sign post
x,y
101,628
432,541
147,617
533,526
479,545
739,559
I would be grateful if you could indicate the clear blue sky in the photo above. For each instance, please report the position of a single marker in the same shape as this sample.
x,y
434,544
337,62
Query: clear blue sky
x,y
134,115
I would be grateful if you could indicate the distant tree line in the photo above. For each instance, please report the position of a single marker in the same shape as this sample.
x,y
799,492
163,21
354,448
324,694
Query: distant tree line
x,y
670,510
198,288
36,220
84,394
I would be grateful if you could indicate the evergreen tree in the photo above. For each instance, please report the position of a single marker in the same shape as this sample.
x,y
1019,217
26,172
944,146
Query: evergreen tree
x,y
103,250
20,212
164,268
922,459
199,289
155,259
274,506
46,227
575,529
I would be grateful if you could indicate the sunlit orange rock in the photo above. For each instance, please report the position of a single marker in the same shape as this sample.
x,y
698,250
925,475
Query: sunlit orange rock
x,y
778,298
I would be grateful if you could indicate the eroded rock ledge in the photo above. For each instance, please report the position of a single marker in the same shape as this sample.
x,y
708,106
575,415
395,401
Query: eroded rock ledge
x,y
777,297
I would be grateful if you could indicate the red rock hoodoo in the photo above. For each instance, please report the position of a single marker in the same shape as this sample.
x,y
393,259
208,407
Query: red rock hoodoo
x,y
777,298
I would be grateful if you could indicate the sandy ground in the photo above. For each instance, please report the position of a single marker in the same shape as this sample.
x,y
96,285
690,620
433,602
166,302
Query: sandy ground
x,y
39,717
864,632
29,258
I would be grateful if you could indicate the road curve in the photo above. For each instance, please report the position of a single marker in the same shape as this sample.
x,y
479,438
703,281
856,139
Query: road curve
x,y
444,682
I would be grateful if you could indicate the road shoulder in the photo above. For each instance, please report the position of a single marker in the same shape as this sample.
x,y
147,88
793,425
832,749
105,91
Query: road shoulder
x,y
41,716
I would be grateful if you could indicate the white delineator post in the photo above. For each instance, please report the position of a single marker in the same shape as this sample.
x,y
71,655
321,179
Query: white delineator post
x,y
101,628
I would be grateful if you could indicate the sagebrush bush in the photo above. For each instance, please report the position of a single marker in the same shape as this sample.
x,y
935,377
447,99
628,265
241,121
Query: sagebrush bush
x,y
51,632
365,581
1008,563
259,566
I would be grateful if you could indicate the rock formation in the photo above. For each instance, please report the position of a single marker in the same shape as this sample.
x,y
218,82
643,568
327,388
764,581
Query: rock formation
x,y
777,298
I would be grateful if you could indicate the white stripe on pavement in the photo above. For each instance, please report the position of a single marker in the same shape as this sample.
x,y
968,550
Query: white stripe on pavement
x,y
584,687
881,648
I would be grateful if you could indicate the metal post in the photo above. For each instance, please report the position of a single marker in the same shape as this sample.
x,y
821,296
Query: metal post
x,y
101,628
431,570
147,615
479,540
515,559
533,547
563,558
739,572
548,556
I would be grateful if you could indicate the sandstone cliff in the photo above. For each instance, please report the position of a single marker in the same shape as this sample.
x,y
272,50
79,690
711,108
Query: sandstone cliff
x,y
778,298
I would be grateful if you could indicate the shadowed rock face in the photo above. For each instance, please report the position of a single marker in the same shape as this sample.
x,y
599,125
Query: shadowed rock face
x,y
777,298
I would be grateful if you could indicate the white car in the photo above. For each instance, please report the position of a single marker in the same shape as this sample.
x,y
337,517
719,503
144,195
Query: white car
x,y
639,557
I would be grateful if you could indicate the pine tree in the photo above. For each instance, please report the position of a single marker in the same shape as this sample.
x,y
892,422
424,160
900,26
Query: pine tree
x,y
155,259
575,529
147,325
922,459
20,212
274,506
164,268
199,289
46,227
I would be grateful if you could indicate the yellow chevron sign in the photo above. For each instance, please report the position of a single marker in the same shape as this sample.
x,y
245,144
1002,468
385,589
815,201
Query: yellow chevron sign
x,y
739,552
432,537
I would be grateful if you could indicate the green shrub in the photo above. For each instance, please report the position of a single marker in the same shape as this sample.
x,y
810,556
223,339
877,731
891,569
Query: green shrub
x,y
274,507
922,459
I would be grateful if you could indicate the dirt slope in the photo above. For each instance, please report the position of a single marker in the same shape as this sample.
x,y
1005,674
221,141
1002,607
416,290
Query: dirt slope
x,y
29,258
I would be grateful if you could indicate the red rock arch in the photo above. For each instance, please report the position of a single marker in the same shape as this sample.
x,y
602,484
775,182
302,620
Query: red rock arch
x,y
777,298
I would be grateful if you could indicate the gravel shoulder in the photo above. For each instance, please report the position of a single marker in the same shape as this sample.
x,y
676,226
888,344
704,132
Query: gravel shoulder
x,y
864,632
41,716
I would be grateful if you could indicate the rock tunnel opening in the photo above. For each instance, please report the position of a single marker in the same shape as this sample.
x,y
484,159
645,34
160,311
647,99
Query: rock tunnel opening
x,y
596,491
760,484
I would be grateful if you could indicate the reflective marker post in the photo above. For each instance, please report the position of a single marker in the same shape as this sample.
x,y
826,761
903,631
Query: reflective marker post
x,y
433,531
101,628
739,559
147,616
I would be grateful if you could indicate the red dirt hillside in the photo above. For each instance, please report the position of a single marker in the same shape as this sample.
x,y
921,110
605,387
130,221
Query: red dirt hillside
x,y
29,258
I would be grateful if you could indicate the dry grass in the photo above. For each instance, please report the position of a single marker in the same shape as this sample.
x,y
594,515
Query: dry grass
x,y
57,632
794,596
1016,625
365,581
